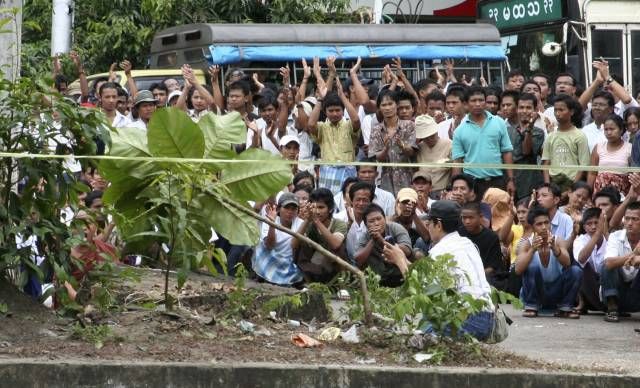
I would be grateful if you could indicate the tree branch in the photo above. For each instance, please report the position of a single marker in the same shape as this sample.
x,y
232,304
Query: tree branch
x,y
361,276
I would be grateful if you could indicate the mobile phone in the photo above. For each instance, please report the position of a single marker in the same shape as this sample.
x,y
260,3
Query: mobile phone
x,y
390,239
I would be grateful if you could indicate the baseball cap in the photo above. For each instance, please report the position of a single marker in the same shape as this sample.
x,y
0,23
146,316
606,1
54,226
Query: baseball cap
x,y
421,174
175,93
407,194
144,96
287,199
288,139
425,126
445,210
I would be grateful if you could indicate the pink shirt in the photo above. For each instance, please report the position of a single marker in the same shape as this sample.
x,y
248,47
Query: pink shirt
x,y
619,158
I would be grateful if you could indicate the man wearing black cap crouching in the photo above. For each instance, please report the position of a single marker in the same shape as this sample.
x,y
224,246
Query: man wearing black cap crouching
x,y
444,220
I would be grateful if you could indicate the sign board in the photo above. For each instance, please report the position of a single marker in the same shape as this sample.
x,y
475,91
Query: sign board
x,y
518,13
435,8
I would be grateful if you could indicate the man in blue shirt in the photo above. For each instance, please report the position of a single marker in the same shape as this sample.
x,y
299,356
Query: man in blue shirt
x,y
483,138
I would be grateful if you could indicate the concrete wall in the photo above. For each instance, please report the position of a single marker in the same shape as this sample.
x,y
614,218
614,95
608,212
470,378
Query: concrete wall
x,y
19,373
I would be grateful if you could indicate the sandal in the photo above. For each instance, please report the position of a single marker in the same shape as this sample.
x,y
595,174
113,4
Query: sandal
x,y
530,313
612,316
573,314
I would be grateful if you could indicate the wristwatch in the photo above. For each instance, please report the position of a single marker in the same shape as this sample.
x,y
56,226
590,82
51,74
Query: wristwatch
x,y
609,80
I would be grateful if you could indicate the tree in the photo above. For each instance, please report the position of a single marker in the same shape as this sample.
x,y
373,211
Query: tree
x,y
175,204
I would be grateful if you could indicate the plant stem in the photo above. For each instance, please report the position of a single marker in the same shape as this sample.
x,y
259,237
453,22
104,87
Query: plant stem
x,y
361,276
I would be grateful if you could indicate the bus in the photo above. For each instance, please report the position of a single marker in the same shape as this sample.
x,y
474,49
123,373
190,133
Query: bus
x,y
476,47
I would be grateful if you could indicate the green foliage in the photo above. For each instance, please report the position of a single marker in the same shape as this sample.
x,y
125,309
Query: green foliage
x,y
94,334
429,295
284,301
175,205
240,300
108,31
35,122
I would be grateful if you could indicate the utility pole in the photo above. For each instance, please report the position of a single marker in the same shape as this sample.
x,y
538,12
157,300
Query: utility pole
x,y
11,39
61,26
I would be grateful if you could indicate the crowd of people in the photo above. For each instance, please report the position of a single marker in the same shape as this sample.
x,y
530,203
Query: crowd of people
x,y
563,237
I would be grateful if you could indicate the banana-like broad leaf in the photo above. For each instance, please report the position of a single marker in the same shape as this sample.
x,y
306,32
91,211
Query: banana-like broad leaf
x,y
220,132
256,181
171,133
128,142
236,226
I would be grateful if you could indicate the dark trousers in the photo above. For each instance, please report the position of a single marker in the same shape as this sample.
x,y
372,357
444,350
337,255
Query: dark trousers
x,y
626,293
561,294
481,185
590,289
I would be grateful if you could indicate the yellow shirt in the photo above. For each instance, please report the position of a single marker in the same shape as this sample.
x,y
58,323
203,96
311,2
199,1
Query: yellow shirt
x,y
336,141
518,232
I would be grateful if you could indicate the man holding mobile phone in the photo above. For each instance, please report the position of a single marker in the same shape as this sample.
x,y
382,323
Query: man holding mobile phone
x,y
549,280
371,245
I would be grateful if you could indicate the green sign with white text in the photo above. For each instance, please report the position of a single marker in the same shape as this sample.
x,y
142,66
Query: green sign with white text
x,y
519,13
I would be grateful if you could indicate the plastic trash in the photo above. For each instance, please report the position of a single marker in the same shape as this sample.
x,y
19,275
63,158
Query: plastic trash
x,y
351,335
343,295
329,334
293,323
422,357
304,341
247,327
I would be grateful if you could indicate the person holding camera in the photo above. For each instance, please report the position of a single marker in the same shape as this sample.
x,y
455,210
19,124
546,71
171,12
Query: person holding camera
x,y
371,245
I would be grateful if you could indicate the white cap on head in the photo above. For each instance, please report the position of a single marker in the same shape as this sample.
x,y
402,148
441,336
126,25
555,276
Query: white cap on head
x,y
288,139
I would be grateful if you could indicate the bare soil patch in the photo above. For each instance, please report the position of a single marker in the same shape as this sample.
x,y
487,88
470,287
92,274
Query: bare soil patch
x,y
197,331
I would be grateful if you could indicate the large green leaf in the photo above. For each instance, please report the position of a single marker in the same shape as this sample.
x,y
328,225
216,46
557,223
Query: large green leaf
x,y
236,226
128,142
220,132
171,133
256,181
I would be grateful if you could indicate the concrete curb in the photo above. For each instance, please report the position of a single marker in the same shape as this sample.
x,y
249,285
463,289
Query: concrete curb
x,y
112,374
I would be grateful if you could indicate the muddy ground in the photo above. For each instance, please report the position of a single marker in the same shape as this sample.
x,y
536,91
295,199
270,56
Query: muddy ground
x,y
198,330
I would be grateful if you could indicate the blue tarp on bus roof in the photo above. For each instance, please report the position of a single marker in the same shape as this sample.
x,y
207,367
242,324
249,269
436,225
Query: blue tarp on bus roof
x,y
222,55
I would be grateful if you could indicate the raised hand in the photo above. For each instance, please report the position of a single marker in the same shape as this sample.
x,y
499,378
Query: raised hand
x,y
356,67
316,67
75,58
112,72
126,66
397,66
448,66
331,64
286,78
306,70
603,70
214,73
272,212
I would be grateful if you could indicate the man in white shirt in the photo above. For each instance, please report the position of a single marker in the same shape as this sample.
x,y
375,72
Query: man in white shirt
x,y
108,100
619,274
601,107
444,220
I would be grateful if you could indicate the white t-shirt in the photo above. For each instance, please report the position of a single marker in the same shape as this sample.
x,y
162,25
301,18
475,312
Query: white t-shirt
x,y
469,268
618,245
597,255
594,135
267,144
